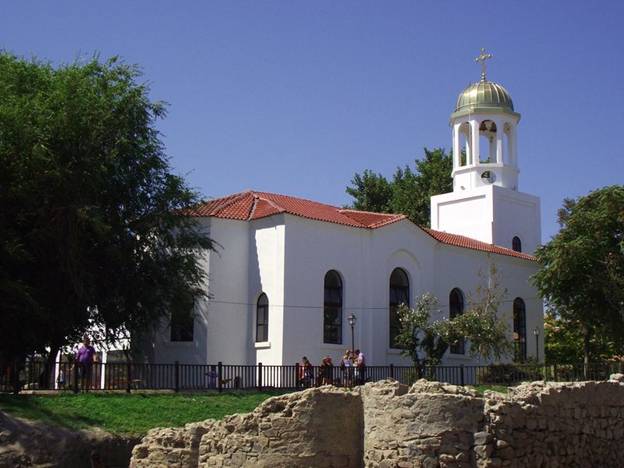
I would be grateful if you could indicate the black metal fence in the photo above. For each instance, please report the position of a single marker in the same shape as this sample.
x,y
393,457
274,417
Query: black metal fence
x,y
35,374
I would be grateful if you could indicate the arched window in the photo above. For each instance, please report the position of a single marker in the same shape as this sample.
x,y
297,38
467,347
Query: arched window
x,y
456,307
262,318
332,310
519,330
399,294
516,244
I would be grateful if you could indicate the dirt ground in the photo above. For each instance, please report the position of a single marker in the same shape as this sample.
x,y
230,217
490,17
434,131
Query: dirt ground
x,y
26,443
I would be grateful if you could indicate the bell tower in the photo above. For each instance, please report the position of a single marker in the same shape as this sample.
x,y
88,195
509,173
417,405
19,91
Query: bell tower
x,y
485,203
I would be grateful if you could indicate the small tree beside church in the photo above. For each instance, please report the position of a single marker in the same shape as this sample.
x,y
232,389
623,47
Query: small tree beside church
x,y
425,340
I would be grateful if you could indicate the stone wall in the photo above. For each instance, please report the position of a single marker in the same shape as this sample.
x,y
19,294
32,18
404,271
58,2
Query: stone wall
x,y
316,427
555,425
432,423
385,424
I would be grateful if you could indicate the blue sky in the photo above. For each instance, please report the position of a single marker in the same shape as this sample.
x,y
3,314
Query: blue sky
x,y
295,97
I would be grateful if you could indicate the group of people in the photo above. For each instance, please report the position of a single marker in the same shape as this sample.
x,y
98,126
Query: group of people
x,y
352,371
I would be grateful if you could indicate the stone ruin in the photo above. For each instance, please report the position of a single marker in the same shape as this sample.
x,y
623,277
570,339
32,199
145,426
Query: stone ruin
x,y
386,424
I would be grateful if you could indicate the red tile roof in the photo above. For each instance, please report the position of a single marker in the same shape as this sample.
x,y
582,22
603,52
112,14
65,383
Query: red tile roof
x,y
250,205
470,243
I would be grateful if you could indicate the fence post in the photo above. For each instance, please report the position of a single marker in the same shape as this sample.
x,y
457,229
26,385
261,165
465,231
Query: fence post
x,y
259,376
554,372
297,375
461,375
75,376
392,371
220,376
176,376
15,377
29,375
129,373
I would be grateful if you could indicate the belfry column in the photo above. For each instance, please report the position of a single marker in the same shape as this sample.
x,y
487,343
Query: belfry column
x,y
456,148
474,135
513,148
499,141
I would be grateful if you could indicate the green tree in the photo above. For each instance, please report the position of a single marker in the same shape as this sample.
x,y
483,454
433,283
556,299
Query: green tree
x,y
409,191
425,340
563,341
371,192
581,272
90,211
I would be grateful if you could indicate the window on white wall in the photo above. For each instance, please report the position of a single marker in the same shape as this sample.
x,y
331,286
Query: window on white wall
x,y
516,244
456,308
262,318
519,330
332,309
399,294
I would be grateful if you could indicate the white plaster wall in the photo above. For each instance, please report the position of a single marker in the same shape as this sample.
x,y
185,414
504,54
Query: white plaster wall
x,y
400,245
467,213
228,307
365,259
266,274
516,214
466,269
312,249
490,214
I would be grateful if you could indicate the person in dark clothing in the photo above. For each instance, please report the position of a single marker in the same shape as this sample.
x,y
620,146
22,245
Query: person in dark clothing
x,y
326,371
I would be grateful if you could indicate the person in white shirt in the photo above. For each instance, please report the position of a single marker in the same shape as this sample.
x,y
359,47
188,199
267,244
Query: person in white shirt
x,y
360,366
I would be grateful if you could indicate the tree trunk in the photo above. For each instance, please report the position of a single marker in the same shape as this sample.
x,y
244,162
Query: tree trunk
x,y
586,351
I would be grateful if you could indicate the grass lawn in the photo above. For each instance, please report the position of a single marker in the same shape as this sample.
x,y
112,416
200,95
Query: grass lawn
x,y
130,414
494,388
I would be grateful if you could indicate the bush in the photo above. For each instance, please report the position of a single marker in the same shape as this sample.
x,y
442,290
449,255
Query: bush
x,y
509,374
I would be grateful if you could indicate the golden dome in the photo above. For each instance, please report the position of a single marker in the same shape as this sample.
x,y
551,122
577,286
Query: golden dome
x,y
484,96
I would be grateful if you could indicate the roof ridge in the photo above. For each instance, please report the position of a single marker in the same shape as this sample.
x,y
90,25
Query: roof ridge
x,y
299,198
228,200
398,217
370,212
279,208
252,209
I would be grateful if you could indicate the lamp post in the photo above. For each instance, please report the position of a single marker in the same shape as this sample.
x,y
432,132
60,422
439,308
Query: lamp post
x,y
536,333
352,319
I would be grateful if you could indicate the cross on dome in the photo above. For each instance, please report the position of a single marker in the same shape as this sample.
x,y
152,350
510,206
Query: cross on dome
x,y
483,56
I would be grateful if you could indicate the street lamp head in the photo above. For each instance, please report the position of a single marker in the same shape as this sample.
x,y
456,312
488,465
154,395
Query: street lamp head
x,y
536,331
352,319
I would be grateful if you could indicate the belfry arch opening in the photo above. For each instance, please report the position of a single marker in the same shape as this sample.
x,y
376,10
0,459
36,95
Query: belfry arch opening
x,y
487,142
465,145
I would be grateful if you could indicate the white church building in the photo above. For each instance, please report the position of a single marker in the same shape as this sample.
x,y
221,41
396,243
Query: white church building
x,y
288,272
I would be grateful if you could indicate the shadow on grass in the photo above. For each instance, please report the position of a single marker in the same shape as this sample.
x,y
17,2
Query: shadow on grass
x,y
29,407
133,413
